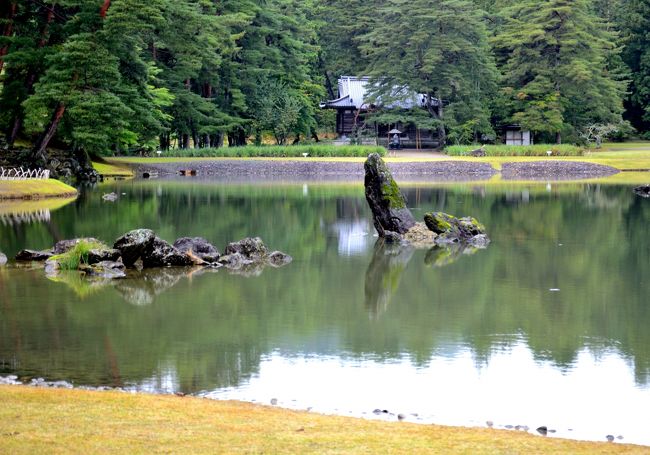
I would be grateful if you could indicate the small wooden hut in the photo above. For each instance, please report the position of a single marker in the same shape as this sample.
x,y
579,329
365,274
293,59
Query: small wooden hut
x,y
515,135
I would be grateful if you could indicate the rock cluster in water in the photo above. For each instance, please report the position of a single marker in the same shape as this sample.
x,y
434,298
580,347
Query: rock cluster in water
x,y
143,249
643,191
395,223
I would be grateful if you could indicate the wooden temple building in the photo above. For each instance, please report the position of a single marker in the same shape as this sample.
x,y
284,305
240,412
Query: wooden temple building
x,y
352,108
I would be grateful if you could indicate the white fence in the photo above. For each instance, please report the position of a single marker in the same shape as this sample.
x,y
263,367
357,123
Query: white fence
x,y
23,174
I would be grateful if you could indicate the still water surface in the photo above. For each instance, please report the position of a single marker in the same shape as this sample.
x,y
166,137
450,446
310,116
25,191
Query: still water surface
x,y
548,326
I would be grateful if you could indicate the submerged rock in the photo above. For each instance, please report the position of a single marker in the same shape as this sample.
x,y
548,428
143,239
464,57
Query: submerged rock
x,y
133,244
161,254
278,259
105,269
251,248
643,191
249,256
388,204
234,260
199,247
33,255
3,259
110,197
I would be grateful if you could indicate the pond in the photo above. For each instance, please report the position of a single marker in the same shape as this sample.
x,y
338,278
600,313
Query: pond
x,y
547,326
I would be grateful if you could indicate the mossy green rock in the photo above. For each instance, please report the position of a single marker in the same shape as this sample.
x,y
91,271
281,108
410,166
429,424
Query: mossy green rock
x,y
385,199
439,222
452,230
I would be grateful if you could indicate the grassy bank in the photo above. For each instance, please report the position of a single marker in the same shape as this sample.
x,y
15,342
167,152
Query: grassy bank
x,y
276,151
49,421
517,150
34,189
107,169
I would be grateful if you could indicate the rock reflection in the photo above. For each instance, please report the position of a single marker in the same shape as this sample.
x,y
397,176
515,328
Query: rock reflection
x,y
138,288
384,274
389,260
439,256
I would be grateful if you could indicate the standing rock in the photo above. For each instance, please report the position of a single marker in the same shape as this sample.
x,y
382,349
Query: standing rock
x,y
33,255
161,254
251,248
133,244
199,246
3,259
385,199
643,190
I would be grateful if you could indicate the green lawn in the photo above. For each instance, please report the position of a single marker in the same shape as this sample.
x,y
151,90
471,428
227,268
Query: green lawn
x,y
27,189
112,170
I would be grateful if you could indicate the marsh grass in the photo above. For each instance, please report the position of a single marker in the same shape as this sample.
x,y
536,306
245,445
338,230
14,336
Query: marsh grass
x,y
517,150
277,151
78,255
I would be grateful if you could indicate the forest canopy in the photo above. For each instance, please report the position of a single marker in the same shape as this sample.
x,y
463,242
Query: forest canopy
x,y
113,77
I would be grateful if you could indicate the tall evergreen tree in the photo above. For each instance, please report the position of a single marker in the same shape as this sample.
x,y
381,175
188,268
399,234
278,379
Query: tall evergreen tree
x,y
438,49
634,21
554,55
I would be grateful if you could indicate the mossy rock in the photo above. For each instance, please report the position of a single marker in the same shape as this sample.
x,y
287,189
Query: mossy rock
x,y
385,198
440,222
453,230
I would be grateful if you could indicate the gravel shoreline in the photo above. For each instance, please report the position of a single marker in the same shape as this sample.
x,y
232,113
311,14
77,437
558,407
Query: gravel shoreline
x,y
555,170
438,171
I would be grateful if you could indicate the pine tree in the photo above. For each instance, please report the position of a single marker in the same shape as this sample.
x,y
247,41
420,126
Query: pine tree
x,y
634,20
554,55
436,48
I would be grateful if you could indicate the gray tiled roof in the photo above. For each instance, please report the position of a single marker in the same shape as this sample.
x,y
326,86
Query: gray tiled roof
x,y
353,93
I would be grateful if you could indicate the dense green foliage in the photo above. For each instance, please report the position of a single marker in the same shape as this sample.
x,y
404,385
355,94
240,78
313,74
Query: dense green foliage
x,y
517,150
115,76
553,57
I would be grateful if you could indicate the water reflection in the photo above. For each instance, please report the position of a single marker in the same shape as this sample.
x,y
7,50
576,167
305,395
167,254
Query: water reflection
x,y
486,330
384,274
17,212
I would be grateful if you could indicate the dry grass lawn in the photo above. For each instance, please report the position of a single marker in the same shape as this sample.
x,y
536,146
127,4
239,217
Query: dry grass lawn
x,y
71,421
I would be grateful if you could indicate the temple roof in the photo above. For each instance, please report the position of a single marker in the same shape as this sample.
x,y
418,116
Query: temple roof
x,y
353,94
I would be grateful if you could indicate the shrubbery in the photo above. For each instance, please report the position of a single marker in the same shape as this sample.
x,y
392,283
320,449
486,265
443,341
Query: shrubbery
x,y
278,151
517,150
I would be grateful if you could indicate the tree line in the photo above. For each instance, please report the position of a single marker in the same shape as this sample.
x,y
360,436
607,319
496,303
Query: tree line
x,y
118,76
